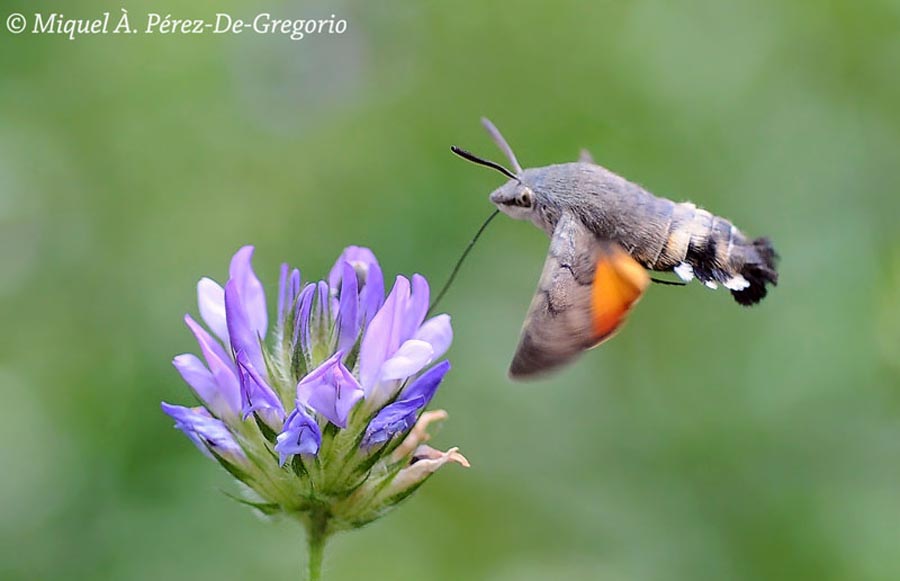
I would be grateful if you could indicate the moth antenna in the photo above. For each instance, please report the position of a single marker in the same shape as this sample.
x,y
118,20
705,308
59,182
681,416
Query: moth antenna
x,y
459,262
480,161
501,143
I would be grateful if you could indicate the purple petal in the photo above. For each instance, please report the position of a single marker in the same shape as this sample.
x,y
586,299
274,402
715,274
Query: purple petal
x,y
360,258
257,396
196,375
221,403
369,277
371,296
250,290
426,385
206,342
416,307
438,332
294,286
183,421
393,419
219,365
400,416
322,311
211,302
301,320
409,359
243,336
381,339
206,432
301,435
347,312
330,390
288,287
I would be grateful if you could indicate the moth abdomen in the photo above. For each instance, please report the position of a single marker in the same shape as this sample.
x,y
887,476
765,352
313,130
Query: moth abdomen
x,y
715,251
664,235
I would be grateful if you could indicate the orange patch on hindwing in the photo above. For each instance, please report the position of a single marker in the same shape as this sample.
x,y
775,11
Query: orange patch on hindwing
x,y
619,282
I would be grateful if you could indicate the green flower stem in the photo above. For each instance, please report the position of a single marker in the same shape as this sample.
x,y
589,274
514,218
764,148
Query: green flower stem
x,y
316,536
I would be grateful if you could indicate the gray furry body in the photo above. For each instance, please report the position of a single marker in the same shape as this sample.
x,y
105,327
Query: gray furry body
x,y
657,232
660,234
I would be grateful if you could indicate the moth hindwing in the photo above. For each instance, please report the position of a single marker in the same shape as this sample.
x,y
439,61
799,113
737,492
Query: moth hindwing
x,y
586,289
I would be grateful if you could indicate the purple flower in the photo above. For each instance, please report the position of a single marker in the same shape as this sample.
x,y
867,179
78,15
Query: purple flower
x,y
248,287
348,310
301,338
319,324
397,345
382,338
400,416
330,390
243,336
222,396
301,435
369,277
211,302
257,396
337,345
205,386
361,259
206,432
288,287
438,333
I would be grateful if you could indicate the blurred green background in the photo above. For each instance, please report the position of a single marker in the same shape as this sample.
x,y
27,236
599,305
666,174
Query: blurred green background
x,y
705,442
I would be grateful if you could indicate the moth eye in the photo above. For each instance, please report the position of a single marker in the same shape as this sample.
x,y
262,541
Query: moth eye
x,y
525,198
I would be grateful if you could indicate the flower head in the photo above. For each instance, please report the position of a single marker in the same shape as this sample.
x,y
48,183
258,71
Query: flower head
x,y
321,411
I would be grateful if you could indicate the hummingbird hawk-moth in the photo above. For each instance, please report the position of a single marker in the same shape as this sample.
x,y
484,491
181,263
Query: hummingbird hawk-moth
x,y
605,234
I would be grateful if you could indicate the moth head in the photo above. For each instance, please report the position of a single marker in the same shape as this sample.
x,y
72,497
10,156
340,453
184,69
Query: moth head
x,y
515,198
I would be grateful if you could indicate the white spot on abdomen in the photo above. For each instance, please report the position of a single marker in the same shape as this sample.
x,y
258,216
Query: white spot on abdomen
x,y
736,283
685,272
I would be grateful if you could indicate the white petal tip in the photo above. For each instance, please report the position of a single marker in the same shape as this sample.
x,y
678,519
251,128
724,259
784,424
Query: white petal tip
x,y
419,434
440,458
455,456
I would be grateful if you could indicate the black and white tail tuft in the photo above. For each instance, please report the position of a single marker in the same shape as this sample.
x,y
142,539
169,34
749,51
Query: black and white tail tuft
x,y
758,270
